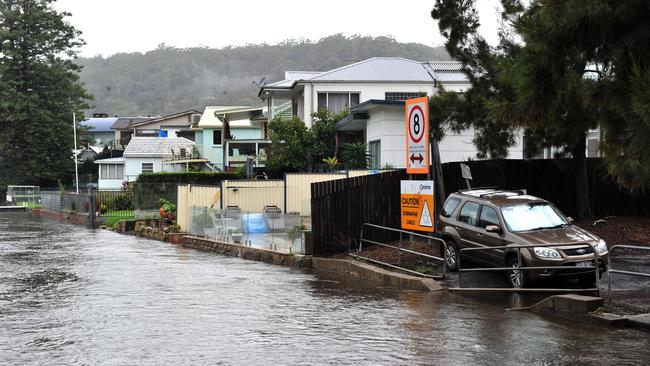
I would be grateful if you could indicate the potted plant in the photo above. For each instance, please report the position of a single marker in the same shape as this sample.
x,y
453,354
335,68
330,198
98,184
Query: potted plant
x,y
167,209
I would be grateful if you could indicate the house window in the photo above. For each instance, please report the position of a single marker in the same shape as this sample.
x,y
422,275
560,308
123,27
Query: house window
x,y
217,137
593,148
337,102
402,95
147,167
375,154
112,171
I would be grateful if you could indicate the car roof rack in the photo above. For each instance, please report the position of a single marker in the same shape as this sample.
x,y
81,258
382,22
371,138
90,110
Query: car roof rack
x,y
477,188
519,192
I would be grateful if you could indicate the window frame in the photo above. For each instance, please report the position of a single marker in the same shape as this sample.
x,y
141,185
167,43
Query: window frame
x,y
480,213
327,93
458,201
142,169
220,131
478,209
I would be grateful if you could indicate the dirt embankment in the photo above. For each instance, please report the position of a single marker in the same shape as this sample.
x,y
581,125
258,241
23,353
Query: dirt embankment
x,y
620,230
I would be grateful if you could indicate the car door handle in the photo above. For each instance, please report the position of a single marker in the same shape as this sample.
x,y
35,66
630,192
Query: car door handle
x,y
458,227
479,234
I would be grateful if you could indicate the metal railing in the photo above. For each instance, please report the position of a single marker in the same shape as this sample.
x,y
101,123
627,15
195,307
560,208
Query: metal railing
x,y
595,265
630,273
443,249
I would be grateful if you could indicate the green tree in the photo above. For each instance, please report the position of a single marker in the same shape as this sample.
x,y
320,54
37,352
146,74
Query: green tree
x,y
39,91
355,155
323,133
525,82
290,141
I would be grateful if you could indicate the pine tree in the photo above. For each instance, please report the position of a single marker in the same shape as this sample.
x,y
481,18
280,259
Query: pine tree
x,y
39,91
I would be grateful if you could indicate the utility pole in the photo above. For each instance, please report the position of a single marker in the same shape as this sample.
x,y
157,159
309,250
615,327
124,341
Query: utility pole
x,y
74,152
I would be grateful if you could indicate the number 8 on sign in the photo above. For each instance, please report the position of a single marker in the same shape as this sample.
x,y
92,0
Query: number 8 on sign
x,y
416,128
417,135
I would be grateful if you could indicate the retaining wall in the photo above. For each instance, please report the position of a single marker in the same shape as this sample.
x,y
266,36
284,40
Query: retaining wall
x,y
256,254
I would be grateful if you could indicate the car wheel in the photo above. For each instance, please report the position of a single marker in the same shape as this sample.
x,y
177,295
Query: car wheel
x,y
516,277
451,256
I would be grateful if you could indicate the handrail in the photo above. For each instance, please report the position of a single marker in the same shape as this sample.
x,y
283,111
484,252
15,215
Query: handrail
x,y
630,273
518,248
443,247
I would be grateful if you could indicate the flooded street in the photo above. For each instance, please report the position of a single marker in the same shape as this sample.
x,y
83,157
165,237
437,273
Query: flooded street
x,y
70,295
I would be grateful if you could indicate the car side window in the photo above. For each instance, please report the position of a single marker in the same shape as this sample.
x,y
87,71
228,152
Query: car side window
x,y
468,213
450,206
488,217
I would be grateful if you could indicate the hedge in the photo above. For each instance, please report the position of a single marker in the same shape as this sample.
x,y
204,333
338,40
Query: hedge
x,y
206,178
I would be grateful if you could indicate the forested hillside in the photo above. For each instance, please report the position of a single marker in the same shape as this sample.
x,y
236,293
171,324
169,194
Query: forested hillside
x,y
168,79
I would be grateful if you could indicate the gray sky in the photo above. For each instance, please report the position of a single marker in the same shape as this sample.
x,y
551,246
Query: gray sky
x,y
111,26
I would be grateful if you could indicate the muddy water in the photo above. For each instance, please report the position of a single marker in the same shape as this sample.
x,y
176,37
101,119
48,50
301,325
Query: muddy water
x,y
69,295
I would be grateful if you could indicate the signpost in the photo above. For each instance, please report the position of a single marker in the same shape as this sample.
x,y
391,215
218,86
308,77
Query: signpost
x,y
417,205
466,173
417,135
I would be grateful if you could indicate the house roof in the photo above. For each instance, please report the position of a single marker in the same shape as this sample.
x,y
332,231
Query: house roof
x,y
240,116
165,118
155,146
126,122
119,160
99,124
447,71
377,69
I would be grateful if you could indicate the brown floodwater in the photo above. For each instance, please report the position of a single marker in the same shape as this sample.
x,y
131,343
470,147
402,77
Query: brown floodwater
x,y
70,295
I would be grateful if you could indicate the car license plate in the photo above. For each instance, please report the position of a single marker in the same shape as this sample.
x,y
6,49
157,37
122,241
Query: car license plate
x,y
584,264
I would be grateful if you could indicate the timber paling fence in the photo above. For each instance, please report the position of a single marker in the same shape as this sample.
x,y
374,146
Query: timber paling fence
x,y
340,207
553,180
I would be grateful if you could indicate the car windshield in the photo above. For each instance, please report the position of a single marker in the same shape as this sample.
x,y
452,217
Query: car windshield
x,y
532,216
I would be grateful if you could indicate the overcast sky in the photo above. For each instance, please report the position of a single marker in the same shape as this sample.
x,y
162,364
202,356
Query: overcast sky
x,y
111,26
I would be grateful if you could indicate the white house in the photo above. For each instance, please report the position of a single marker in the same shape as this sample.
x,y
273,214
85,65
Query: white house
x,y
146,155
374,91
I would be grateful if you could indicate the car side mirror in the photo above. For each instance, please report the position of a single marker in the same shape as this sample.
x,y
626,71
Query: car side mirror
x,y
570,219
493,229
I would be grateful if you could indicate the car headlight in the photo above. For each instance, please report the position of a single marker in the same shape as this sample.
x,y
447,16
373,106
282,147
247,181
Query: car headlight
x,y
544,252
601,247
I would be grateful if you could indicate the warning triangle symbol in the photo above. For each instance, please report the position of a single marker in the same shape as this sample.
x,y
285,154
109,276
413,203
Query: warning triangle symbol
x,y
425,216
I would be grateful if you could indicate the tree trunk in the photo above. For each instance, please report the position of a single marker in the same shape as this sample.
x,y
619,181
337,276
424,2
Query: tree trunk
x,y
581,180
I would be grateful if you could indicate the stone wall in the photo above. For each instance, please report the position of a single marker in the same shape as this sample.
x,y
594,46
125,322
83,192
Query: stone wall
x,y
255,254
75,218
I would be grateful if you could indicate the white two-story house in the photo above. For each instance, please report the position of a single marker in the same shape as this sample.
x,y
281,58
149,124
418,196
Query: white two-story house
x,y
374,91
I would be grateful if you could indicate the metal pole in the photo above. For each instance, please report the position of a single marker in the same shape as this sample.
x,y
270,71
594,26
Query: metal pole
x,y
76,168
609,274
399,252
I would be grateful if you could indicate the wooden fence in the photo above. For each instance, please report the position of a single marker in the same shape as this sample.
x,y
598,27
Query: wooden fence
x,y
341,206
553,180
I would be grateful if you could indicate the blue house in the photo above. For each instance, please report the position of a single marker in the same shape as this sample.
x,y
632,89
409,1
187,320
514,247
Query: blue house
x,y
228,135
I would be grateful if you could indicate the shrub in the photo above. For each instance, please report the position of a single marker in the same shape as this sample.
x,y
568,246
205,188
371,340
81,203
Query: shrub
x,y
119,202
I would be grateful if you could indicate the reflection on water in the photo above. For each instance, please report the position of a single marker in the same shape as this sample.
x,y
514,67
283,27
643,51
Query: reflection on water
x,y
69,295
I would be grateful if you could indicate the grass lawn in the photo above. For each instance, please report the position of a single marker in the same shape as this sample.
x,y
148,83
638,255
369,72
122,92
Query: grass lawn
x,y
118,213
112,221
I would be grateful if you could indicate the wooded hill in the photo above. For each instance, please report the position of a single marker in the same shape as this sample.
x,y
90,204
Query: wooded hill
x,y
168,79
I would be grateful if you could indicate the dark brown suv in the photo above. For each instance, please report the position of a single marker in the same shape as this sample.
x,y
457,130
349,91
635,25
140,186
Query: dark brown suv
x,y
483,218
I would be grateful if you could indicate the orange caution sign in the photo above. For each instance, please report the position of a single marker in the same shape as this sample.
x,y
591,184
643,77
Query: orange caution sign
x,y
416,197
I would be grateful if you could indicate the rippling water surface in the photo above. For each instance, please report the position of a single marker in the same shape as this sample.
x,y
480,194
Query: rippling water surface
x,y
70,295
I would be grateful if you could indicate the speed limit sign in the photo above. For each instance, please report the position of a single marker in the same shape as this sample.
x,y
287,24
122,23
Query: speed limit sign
x,y
417,135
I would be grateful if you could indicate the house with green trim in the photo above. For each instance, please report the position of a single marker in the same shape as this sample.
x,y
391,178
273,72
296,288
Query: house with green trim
x,y
228,135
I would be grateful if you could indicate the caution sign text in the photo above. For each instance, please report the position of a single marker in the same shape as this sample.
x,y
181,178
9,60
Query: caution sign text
x,y
416,200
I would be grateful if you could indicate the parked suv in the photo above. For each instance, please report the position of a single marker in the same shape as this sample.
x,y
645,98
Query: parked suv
x,y
483,218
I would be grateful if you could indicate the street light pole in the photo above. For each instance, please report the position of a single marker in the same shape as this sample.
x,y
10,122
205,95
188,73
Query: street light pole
x,y
74,152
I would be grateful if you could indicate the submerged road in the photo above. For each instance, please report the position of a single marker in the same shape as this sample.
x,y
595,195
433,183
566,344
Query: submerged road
x,y
70,295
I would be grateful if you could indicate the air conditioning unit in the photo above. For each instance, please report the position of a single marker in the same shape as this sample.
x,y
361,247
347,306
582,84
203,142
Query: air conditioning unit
x,y
196,118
